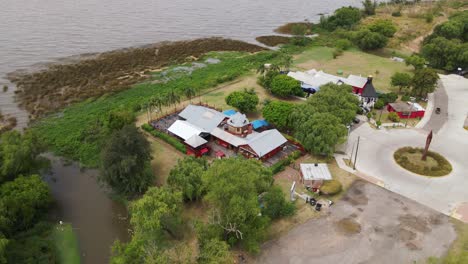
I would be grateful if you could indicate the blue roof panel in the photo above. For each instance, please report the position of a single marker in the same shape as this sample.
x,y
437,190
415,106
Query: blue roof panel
x,y
230,112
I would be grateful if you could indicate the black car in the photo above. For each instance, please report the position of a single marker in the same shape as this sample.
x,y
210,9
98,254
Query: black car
x,y
356,120
437,110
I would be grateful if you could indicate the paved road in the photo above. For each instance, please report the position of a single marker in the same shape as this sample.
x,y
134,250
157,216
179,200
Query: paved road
x,y
444,194
368,225
437,121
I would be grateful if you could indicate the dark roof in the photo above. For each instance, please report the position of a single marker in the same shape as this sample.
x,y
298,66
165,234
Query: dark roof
x,y
369,90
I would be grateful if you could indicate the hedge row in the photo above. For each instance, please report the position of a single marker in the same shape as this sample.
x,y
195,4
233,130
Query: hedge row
x,y
443,167
280,165
169,139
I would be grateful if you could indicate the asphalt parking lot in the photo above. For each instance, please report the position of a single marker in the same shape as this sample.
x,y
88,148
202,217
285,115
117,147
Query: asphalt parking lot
x,y
368,225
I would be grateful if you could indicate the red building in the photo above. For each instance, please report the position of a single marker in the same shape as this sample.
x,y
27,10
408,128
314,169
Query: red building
x,y
406,109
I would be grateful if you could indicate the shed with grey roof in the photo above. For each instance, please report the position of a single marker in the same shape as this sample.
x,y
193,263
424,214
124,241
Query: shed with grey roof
x,y
313,174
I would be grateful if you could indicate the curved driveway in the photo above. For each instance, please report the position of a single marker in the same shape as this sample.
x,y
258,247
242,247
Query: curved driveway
x,y
448,194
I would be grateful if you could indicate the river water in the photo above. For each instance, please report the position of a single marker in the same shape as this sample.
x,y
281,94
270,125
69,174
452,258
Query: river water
x,y
41,31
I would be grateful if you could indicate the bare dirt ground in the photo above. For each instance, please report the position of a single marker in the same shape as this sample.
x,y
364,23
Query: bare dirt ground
x,y
368,225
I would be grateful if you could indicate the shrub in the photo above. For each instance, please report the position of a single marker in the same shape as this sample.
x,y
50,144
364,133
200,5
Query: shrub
x,y
245,101
167,138
405,98
378,123
343,44
284,86
393,117
396,13
379,105
337,52
384,27
368,40
429,18
331,187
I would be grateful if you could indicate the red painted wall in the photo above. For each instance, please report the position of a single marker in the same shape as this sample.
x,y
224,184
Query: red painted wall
x,y
357,90
414,114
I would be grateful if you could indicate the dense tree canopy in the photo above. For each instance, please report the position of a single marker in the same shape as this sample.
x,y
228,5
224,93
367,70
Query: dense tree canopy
x,y
416,61
424,82
186,176
245,101
22,202
118,119
125,162
275,204
277,113
384,27
401,80
334,99
344,17
368,40
285,86
18,154
215,251
319,132
447,47
233,186
158,211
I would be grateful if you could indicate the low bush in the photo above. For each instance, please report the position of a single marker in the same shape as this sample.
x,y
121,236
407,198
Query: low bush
x,y
343,44
281,165
379,105
337,52
331,187
167,138
396,13
393,117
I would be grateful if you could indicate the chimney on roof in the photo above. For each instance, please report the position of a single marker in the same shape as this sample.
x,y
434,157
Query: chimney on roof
x,y
316,165
369,78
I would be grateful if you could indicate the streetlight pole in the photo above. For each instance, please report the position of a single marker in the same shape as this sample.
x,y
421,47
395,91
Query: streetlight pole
x,y
357,148
410,110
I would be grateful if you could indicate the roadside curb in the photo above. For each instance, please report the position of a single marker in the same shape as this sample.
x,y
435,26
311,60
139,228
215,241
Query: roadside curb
x,y
342,165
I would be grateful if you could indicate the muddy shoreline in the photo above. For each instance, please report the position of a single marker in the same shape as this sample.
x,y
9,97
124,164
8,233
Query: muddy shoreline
x,y
47,88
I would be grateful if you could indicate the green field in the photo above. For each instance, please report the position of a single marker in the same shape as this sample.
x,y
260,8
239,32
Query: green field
x,y
351,62
78,133
66,244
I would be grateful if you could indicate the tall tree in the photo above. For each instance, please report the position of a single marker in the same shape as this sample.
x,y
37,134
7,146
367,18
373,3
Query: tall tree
x,y
416,61
186,176
275,204
189,92
424,81
125,162
277,113
285,86
331,98
22,202
369,7
319,133
245,101
19,154
157,102
158,212
233,186
173,98
401,80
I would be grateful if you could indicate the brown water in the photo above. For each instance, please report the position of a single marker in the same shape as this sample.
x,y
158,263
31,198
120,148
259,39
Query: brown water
x,y
41,31
96,219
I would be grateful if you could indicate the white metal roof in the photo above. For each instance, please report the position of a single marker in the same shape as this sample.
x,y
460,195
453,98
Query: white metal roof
x,y
238,120
184,129
314,78
202,117
356,81
315,171
266,141
228,137
195,141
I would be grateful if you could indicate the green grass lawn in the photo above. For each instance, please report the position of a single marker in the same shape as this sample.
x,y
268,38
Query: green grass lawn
x,y
66,244
78,133
351,62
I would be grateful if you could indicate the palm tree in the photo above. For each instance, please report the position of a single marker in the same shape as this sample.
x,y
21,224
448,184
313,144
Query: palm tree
x,y
189,92
157,102
173,98
147,106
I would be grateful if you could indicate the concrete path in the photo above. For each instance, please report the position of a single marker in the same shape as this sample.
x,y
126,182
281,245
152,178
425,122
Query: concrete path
x,y
448,194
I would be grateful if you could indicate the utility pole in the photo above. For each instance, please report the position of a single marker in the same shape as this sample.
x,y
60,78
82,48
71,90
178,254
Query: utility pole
x,y
410,110
351,157
357,148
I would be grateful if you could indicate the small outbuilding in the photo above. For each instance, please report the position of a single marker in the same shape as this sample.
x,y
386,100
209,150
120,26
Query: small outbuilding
x,y
406,109
313,174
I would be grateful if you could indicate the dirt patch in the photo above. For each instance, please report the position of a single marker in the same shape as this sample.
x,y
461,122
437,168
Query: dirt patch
x,y
406,235
348,226
419,224
62,84
356,195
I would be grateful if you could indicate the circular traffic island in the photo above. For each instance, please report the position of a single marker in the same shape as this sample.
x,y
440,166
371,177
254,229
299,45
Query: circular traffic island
x,y
410,158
